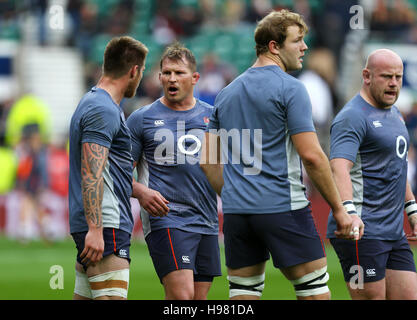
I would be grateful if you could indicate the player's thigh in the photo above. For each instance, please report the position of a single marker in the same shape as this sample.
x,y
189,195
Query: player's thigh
x,y
109,278
172,250
364,265
116,242
249,271
107,264
291,238
243,246
297,250
401,285
179,285
367,291
300,270
401,276
207,261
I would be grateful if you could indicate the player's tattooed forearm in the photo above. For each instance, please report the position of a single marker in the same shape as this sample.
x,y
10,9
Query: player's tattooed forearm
x,y
93,161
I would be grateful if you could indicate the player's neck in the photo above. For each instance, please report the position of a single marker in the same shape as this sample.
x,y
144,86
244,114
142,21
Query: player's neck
x,y
182,105
112,87
268,59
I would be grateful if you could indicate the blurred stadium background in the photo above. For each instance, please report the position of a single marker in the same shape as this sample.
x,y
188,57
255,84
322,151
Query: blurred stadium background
x,y
51,52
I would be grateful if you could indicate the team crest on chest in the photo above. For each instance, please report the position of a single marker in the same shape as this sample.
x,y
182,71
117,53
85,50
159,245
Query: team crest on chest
x,y
377,123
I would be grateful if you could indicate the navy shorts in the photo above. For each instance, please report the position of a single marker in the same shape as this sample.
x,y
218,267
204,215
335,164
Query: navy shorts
x,y
173,249
116,241
373,256
290,238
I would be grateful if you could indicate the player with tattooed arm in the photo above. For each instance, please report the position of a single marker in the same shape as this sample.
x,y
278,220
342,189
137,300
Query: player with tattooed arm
x,y
100,182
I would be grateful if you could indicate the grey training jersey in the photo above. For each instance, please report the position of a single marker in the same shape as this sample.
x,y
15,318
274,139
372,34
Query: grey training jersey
x,y
167,146
98,119
376,141
255,116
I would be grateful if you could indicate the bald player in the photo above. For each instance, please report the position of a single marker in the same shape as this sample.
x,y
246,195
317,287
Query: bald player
x,y
368,156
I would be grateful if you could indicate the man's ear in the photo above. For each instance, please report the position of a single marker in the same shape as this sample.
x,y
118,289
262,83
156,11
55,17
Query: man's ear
x,y
134,71
366,75
196,77
273,47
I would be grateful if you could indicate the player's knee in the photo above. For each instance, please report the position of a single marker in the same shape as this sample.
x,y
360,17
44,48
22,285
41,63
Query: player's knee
x,y
312,284
82,286
179,285
111,284
179,291
179,295
252,286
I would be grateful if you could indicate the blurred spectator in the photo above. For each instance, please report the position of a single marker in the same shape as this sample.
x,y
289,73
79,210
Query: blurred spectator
x,y
87,28
208,12
55,200
32,181
412,36
120,18
319,77
8,20
392,19
411,124
149,90
214,76
4,112
174,19
257,9
151,85
163,30
74,12
37,206
38,8
32,169
27,110
303,7
8,165
188,19
233,12
331,24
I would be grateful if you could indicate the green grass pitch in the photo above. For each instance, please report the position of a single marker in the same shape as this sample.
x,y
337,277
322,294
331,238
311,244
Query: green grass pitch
x,y
26,274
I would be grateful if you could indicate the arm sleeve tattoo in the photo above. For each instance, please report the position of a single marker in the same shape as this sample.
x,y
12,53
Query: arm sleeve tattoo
x,y
93,162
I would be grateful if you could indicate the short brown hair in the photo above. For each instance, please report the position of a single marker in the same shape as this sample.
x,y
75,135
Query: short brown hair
x,y
177,51
121,54
274,27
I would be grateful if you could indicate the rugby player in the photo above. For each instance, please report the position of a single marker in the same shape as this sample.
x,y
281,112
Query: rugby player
x,y
369,149
100,178
266,211
178,205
